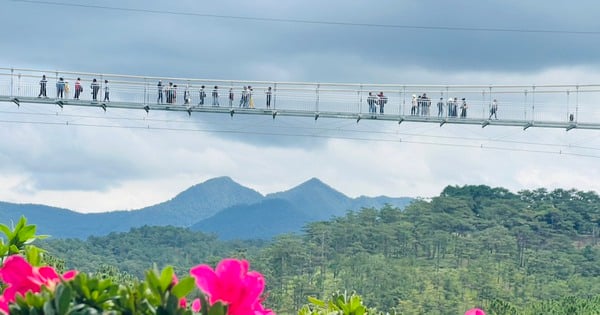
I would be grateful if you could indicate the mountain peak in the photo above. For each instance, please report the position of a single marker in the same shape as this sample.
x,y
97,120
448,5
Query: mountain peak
x,y
314,182
219,180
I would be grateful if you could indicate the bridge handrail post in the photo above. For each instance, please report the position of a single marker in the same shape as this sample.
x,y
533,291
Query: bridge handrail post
x,y
145,96
12,72
576,102
568,103
525,106
359,92
533,104
447,111
317,101
274,95
483,104
403,103
490,104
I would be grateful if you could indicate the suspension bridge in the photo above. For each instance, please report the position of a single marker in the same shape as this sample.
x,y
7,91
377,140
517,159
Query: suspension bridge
x,y
542,106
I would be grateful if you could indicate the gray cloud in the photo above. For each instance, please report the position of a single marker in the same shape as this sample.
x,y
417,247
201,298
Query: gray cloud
x,y
269,154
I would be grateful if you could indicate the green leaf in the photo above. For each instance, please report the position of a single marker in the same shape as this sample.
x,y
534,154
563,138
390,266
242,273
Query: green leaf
x,y
184,287
48,309
6,230
172,304
316,301
27,233
63,298
166,278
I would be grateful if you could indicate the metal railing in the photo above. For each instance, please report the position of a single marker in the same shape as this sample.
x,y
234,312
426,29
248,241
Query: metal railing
x,y
522,104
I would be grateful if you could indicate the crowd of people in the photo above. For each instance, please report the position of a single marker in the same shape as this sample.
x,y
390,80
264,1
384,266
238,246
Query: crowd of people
x,y
167,93
376,100
421,105
63,89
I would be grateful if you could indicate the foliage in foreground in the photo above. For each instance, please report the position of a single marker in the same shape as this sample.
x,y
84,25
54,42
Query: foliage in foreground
x,y
29,289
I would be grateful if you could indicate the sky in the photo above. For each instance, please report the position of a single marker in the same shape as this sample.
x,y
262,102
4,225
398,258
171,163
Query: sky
x,y
106,162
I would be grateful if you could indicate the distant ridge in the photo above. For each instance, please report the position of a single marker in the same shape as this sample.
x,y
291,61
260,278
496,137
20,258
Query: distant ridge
x,y
218,205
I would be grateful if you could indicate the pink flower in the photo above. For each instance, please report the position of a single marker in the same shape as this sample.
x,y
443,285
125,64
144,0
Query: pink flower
x,y
21,277
232,284
196,305
475,311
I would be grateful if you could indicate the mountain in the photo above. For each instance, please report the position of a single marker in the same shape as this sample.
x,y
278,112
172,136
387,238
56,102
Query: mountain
x,y
316,199
49,220
289,211
217,205
190,206
262,220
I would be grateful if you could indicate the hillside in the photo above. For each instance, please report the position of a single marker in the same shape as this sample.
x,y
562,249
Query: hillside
x,y
472,245
262,220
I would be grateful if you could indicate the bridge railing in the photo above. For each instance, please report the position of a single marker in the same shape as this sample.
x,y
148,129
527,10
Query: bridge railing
x,y
553,103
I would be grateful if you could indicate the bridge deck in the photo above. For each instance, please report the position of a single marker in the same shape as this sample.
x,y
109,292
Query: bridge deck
x,y
547,106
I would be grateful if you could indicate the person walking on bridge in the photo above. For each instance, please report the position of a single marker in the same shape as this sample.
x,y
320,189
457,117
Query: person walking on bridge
x,y
43,83
243,97
463,108
382,100
440,106
78,88
60,88
215,96
106,91
95,86
202,95
494,110
269,93
159,100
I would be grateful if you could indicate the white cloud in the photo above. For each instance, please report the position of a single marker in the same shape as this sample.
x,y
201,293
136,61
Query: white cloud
x,y
121,165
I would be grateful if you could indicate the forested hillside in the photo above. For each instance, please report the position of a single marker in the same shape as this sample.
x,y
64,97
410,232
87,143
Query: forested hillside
x,y
470,246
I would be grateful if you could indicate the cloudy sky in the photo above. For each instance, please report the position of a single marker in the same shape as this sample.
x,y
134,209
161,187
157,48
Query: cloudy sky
x,y
103,162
